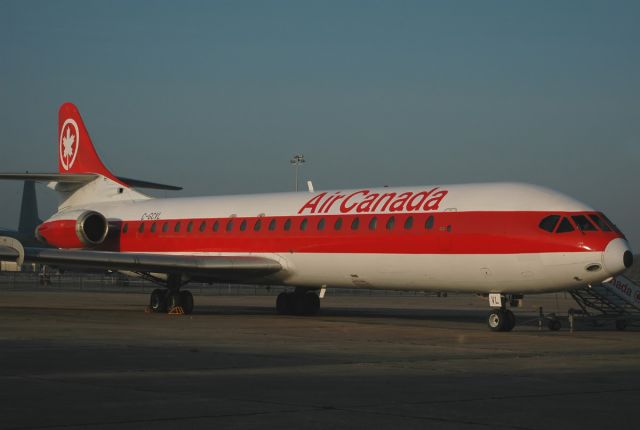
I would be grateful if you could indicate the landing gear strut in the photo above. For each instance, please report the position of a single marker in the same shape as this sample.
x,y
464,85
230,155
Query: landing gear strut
x,y
167,299
500,318
299,302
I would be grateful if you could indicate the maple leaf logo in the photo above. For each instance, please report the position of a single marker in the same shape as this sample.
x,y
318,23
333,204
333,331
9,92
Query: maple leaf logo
x,y
67,142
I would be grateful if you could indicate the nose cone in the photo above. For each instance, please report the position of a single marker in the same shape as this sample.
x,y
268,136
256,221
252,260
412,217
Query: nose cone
x,y
617,256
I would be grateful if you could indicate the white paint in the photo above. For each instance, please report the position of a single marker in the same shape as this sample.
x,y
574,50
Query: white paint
x,y
470,197
495,300
432,272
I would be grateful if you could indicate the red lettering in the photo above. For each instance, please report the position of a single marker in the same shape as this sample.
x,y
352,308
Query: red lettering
x,y
418,199
365,205
434,202
326,203
313,203
388,196
333,201
343,206
398,205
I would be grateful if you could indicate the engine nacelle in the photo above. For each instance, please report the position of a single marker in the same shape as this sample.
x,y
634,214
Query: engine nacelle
x,y
74,229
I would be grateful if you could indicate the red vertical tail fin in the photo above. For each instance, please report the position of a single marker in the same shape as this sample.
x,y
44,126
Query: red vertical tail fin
x,y
76,153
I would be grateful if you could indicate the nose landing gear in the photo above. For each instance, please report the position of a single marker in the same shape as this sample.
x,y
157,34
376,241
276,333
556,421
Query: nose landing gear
x,y
500,318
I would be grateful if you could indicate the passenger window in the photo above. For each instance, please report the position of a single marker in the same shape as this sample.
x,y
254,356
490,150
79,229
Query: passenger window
x,y
165,227
190,226
564,226
125,229
390,223
272,225
600,223
141,228
321,224
203,226
583,223
373,224
176,228
287,224
338,224
355,223
303,225
549,223
229,225
258,225
243,225
408,223
428,225
216,226
153,227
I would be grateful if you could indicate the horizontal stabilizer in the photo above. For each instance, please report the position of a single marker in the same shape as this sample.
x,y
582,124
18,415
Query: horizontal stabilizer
x,y
82,178
50,177
137,183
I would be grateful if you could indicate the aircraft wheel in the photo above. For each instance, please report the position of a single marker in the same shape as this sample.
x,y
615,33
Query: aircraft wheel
x,y
510,320
284,304
554,325
621,325
186,300
173,300
157,302
497,320
307,304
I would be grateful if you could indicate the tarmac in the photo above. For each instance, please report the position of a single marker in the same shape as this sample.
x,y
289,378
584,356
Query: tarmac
x,y
76,359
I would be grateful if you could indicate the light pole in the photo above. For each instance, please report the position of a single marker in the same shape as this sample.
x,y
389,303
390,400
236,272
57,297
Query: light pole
x,y
297,160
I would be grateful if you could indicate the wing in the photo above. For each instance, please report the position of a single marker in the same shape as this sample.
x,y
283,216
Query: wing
x,y
221,268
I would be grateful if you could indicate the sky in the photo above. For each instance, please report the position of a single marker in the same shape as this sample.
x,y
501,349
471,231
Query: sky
x,y
217,96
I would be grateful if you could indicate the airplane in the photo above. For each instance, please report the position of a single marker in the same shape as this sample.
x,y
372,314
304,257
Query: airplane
x,y
499,240
28,220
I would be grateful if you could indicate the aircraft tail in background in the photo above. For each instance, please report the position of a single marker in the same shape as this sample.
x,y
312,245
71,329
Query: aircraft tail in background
x,y
29,218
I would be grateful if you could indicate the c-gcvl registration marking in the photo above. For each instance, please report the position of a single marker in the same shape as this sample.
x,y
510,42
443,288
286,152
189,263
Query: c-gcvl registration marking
x,y
150,216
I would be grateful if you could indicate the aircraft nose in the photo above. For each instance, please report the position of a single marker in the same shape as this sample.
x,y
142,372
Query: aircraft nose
x,y
617,256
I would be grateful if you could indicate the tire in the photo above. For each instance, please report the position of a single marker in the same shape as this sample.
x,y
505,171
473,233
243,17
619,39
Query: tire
x,y
186,300
510,320
283,304
496,320
157,302
173,300
554,325
308,304
621,325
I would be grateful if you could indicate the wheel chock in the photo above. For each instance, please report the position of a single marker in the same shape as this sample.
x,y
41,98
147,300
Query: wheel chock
x,y
176,310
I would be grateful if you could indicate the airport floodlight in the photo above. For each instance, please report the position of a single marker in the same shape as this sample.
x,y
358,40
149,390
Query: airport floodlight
x,y
296,161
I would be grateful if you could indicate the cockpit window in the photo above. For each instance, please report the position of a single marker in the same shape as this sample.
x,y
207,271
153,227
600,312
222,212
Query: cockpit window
x,y
583,223
613,226
600,223
564,226
548,223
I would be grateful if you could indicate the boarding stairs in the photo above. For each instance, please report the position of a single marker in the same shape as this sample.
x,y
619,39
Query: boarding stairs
x,y
617,300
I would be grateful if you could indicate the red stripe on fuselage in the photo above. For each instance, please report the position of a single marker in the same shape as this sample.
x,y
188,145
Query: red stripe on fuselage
x,y
451,233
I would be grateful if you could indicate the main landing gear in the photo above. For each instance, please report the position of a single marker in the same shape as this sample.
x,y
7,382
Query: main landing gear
x,y
500,318
170,298
298,302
